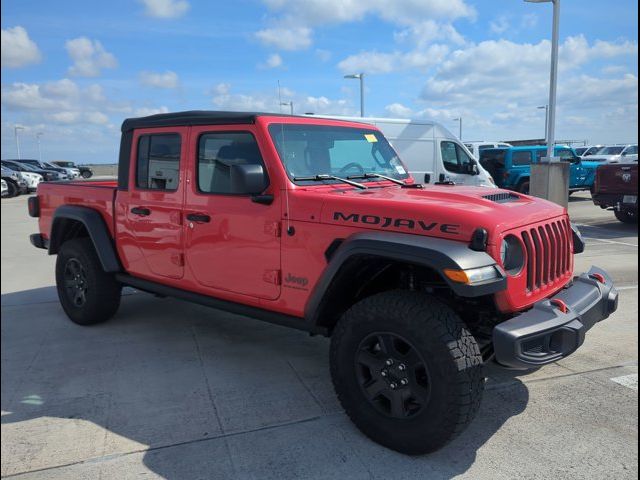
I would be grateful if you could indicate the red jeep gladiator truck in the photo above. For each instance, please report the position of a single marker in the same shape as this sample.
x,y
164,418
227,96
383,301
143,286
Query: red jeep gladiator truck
x,y
315,224
616,188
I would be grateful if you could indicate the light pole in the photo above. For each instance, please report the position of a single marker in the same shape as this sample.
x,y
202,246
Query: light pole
x,y
38,135
459,120
546,119
359,76
288,104
551,121
16,129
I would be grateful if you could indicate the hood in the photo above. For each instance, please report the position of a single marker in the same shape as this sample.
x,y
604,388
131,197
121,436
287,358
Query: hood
x,y
443,211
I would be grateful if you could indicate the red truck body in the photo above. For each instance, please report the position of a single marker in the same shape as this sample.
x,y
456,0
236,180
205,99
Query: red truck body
x,y
258,214
243,256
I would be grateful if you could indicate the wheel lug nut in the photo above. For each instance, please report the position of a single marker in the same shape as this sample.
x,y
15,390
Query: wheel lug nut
x,y
404,381
402,367
383,373
393,386
389,362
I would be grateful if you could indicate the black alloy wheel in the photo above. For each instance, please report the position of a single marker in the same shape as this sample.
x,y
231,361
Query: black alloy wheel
x,y
393,375
75,282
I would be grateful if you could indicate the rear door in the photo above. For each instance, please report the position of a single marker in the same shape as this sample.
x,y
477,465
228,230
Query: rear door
x,y
153,239
232,242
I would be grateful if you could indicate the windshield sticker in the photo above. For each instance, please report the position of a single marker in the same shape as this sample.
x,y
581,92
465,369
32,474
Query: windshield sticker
x,y
371,138
400,169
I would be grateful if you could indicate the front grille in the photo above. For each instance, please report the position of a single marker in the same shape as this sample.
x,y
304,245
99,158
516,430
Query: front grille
x,y
548,250
502,197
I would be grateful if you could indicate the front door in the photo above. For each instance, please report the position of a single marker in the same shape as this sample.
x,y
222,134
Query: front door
x,y
456,164
154,209
232,242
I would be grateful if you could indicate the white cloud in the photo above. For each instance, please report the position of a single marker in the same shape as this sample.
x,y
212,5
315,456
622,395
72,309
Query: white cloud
x,y
89,57
529,20
18,50
422,34
97,118
166,79
500,25
398,110
293,28
165,8
286,38
224,99
378,62
272,61
145,111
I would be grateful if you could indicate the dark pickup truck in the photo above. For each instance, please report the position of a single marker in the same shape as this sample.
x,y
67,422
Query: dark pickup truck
x,y
616,188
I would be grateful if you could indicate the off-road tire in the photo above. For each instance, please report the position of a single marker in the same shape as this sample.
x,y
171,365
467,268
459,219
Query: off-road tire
x,y
626,216
451,355
101,297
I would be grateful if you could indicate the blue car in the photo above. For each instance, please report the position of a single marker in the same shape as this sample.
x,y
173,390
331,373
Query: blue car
x,y
511,167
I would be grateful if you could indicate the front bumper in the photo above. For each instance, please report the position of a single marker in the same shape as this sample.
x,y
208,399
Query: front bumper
x,y
555,328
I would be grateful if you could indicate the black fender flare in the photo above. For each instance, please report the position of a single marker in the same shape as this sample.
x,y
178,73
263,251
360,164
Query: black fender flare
x,y
95,226
435,253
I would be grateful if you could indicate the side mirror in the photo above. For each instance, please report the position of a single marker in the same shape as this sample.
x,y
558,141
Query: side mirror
x,y
248,179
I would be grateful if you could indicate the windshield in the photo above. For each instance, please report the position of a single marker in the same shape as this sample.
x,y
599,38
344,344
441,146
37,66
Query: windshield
x,y
65,164
310,150
610,151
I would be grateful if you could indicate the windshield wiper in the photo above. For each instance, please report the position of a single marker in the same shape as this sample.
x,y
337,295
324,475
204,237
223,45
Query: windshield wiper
x,y
402,183
324,176
378,175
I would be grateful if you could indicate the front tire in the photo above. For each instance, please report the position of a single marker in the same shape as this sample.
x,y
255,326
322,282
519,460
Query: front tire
x,y
524,187
87,293
13,189
626,216
406,370
85,174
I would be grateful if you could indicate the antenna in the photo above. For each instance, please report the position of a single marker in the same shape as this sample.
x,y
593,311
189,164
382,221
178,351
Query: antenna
x,y
290,229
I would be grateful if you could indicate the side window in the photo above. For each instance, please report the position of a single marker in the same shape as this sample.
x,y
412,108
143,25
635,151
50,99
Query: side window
x,y
217,152
632,150
567,155
158,162
454,157
521,158
484,147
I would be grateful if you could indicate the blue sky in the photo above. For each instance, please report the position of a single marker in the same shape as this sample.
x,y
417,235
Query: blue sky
x,y
74,70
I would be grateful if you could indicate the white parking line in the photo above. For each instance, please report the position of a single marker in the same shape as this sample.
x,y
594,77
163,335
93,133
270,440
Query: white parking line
x,y
611,241
629,381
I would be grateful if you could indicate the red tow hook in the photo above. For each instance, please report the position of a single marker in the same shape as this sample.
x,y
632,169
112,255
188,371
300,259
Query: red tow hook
x,y
560,305
599,277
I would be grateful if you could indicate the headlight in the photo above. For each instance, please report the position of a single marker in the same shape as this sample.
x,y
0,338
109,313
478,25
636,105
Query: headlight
x,y
512,255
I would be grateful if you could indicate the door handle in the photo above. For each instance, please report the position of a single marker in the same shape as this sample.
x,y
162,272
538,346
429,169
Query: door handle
x,y
198,217
143,212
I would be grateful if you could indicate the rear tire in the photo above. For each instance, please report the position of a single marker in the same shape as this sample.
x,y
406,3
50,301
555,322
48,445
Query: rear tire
x,y
626,216
87,293
426,351
86,174
524,187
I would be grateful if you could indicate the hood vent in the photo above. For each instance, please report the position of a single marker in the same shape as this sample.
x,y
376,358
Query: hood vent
x,y
502,197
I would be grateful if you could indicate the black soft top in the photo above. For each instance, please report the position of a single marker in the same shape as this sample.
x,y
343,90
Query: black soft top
x,y
195,117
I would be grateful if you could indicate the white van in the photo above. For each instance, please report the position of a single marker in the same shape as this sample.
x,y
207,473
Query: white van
x,y
476,147
431,152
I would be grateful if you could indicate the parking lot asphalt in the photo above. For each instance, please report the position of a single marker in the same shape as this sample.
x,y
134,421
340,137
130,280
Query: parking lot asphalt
x,y
167,389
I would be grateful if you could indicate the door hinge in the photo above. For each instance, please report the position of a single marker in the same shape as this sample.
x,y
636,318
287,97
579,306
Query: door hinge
x,y
272,276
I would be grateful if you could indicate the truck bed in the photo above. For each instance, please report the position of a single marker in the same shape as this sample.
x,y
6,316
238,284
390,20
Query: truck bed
x,y
98,195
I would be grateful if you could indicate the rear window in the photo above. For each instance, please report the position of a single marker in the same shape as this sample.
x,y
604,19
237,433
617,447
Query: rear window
x,y
520,158
158,162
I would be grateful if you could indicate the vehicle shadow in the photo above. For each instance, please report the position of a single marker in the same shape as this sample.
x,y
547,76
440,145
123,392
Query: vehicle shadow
x,y
198,393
